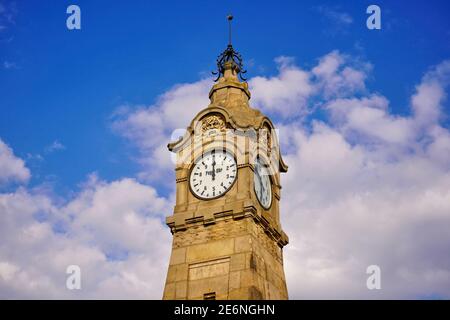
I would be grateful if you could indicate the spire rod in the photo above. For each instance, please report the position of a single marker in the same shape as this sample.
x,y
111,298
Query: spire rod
x,y
229,58
229,17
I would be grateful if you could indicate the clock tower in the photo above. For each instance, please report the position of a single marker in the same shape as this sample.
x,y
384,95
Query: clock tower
x,y
227,237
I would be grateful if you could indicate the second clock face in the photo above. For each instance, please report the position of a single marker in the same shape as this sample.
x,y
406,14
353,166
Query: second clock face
x,y
263,186
213,174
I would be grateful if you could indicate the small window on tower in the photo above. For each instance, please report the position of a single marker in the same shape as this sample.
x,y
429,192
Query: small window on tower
x,y
209,296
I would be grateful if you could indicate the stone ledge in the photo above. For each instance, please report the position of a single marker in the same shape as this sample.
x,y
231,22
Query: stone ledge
x,y
182,221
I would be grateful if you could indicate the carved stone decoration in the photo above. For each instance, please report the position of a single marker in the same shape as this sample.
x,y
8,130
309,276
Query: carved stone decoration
x,y
213,122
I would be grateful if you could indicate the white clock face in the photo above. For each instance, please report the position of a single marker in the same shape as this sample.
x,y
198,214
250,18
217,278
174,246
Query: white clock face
x,y
263,187
213,174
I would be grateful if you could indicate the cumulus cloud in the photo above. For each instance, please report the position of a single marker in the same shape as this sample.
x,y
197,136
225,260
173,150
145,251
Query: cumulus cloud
x,y
347,207
114,231
368,188
12,168
150,127
294,91
336,78
365,186
426,102
369,118
286,93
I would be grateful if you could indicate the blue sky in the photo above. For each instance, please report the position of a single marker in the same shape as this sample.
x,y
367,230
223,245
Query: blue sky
x,y
64,85
85,117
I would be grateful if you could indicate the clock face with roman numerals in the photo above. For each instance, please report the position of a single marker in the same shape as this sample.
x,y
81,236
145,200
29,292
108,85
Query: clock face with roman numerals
x,y
263,186
213,174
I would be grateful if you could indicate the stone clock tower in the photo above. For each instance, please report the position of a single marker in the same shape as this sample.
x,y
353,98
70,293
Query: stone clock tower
x,y
227,238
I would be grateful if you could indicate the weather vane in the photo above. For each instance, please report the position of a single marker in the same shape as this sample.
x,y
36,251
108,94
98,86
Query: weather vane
x,y
229,55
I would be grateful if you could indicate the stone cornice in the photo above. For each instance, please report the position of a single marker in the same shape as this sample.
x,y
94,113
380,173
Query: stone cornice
x,y
181,221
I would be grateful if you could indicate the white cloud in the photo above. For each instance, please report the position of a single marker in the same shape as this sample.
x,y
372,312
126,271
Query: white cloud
x,y
370,118
426,102
285,94
12,169
335,20
439,148
118,221
336,16
365,186
293,91
55,146
150,128
349,203
336,79
346,207
113,231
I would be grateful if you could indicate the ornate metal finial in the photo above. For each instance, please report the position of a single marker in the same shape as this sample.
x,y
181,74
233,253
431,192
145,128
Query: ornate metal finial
x,y
230,57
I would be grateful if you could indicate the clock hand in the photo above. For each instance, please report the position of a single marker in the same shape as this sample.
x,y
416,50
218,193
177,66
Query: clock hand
x,y
213,168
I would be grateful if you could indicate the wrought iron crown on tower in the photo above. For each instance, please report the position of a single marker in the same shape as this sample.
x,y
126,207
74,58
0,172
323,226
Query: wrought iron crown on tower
x,y
229,58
